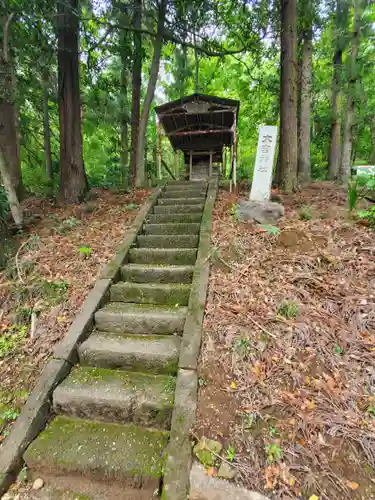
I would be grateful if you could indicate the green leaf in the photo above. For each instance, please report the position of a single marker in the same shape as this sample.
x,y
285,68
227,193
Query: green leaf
x,y
271,229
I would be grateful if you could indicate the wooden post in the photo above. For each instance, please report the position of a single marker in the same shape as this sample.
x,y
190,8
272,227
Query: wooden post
x,y
177,164
191,165
224,163
230,167
158,166
235,152
210,166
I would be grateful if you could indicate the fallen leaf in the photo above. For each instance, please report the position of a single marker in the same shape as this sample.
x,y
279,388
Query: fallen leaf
x,y
314,497
211,471
352,485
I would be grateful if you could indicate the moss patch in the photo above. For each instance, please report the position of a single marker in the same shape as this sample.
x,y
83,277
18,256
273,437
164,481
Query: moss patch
x,y
108,450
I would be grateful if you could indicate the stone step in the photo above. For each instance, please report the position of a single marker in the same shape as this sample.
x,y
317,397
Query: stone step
x,y
167,241
183,183
183,193
137,273
140,318
143,353
171,228
176,218
181,201
128,454
179,209
169,256
116,396
151,293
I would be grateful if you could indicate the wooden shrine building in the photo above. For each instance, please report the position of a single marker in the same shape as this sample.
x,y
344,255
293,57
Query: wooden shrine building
x,y
203,127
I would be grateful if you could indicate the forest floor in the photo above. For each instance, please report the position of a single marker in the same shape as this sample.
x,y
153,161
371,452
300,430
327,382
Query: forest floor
x,y
57,263
287,366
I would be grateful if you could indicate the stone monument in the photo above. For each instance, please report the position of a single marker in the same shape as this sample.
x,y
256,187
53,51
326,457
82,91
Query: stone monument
x,y
261,186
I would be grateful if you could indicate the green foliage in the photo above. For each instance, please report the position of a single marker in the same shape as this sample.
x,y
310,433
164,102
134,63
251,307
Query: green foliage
x,y
85,251
241,346
369,215
305,213
275,231
231,453
274,453
352,194
67,224
288,309
11,340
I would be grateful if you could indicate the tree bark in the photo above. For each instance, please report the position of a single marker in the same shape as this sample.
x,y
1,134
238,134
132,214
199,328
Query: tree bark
x,y
196,67
154,72
10,191
46,126
136,86
9,134
345,170
73,181
304,168
335,137
124,123
288,96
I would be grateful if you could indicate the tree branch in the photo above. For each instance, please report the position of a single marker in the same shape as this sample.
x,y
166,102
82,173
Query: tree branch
x,y
171,38
6,36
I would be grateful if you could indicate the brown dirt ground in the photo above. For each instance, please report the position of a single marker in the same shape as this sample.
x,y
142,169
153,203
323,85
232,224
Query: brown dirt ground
x,y
293,391
50,256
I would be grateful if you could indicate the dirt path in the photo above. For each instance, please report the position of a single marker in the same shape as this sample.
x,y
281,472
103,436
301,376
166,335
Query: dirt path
x,y
57,264
287,377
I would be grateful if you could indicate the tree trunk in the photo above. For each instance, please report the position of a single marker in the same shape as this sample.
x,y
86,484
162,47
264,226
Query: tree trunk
x,y
124,120
73,181
372,128
196,66
46,127
154,72
136,87
288,96
304,169
11,194
345,170
9,136
335,138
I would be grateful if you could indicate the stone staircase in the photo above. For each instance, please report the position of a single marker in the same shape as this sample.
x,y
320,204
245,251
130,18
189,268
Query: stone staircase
x,y
112,414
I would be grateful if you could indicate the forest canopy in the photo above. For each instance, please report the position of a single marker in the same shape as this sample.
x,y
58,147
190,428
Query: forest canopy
x,y
79,80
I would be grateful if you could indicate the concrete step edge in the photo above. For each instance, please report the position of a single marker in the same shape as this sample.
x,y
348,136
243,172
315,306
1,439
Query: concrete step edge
x,y
116,396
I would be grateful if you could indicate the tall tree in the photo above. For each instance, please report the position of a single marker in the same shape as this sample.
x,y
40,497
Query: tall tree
x,y
344,172
9,134
305,109
154,72
73,181
334,153
288,96
46,125
125,51
136,85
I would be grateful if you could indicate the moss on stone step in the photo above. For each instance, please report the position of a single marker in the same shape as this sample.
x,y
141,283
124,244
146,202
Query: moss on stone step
x,y
116,396
140,318
181,201
172,229
176,218
171,256
168,241
151,293
142,353
142,273
179,209
127,453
